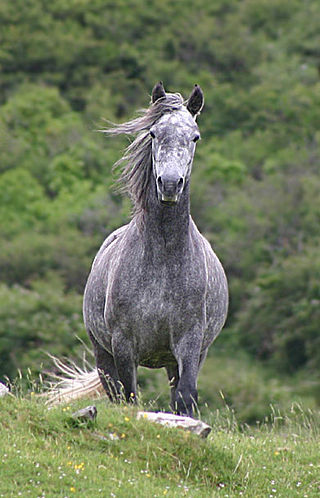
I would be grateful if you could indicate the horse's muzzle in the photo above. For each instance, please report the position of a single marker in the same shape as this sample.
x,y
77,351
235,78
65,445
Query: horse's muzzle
x,y
169,189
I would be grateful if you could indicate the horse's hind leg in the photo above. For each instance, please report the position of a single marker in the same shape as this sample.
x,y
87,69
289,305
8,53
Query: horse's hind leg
x,y
106,369
173,376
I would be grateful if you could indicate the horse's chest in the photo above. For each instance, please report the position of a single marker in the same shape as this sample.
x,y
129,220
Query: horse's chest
x,y
155,298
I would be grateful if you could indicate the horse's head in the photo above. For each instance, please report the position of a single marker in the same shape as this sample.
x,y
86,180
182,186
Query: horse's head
x,y
174,138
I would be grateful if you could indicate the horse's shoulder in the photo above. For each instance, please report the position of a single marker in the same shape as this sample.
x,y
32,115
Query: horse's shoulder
x,y
113,238
201,240
212,261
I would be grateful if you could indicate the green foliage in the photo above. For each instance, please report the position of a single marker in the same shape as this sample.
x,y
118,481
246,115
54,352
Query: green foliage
x,y
22,202
44,319
282,314
30,256
255,185
37,124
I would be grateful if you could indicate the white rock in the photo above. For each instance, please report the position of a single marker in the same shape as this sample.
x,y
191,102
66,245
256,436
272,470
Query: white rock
x,y
170,420
88,413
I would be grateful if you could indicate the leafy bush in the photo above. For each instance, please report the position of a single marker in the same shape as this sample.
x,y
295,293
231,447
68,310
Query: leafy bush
x,y
281,318
44,319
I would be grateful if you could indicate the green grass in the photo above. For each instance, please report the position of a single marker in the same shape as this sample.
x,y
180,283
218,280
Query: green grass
x,y
42,453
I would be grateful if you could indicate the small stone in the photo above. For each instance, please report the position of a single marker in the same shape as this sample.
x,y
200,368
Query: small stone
x,y
88,413
3,390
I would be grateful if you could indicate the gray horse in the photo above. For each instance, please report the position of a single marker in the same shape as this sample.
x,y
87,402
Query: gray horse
x,y
157,294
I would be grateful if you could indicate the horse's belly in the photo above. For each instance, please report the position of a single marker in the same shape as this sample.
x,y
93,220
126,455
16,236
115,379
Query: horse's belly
x,y
153,318
157,359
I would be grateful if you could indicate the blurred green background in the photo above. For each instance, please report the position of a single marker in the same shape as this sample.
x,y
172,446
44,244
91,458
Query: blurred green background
x,y
65,65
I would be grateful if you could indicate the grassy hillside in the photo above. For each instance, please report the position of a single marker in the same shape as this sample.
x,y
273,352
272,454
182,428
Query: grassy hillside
x,y
44,453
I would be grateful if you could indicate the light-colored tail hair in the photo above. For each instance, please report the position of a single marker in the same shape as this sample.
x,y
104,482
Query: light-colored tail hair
x,y
72,382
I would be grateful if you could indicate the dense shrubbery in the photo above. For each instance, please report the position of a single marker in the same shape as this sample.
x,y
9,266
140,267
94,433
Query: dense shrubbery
x,y
42,319
255,186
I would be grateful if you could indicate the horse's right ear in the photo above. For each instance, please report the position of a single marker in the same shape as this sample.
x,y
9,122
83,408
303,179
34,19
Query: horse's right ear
x,y
158,92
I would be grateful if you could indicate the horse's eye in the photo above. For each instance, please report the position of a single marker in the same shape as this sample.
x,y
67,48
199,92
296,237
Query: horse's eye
x,y
152,134
196,138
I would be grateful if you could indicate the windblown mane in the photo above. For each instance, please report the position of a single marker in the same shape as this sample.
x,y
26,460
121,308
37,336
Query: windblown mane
x,y
136,162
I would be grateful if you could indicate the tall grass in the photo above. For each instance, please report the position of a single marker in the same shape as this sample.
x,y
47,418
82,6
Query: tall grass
x,y
44,453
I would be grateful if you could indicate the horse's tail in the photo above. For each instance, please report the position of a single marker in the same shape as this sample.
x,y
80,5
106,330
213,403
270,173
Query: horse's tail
x,y
72,382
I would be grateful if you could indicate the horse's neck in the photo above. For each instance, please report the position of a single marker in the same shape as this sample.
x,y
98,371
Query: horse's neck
x,y
167,227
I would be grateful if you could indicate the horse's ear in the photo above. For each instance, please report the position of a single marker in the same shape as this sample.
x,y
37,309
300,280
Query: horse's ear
x,y
195,101
158,92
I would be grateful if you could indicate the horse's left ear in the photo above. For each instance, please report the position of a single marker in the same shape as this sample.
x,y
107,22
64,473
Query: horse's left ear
x,y
195,101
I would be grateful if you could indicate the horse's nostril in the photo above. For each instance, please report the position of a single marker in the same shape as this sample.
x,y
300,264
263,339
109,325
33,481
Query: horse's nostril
x,y
159,180
180,182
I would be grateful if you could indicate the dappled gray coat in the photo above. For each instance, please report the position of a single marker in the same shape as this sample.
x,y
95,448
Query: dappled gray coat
x,y
157,294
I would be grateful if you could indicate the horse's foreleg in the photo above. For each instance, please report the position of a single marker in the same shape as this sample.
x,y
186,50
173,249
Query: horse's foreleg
x,y
188,357
106,369
126,366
